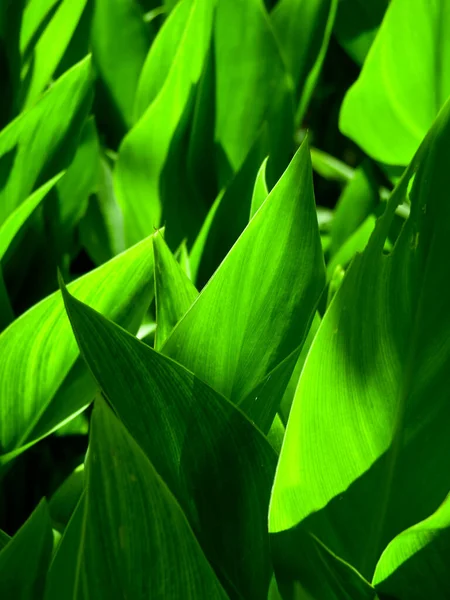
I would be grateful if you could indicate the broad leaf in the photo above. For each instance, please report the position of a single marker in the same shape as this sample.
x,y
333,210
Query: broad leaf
x,y
404,82
25,558
261,300
145,150
151,549
216,463
43,138
174,291
414,565
366,456
42,383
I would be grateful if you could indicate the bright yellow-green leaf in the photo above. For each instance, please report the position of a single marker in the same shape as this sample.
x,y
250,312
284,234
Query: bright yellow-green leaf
x,y
145,150
49,49
33,141
365,454
42,384
404,82
261,300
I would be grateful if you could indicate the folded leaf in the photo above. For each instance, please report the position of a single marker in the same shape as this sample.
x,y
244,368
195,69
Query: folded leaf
x,y
25,558
215,462
261,300
34,143
42,384
404,81
365,455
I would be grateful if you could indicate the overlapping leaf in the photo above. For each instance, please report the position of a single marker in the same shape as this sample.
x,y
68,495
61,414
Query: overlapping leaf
x,y
49,48
152,551
366,455
215,462
174,291
120,41
145,150
41,381
25,558
261,300
414,565
43,138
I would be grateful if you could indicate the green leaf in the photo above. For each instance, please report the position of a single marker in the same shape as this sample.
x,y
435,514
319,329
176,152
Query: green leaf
x,y
358,200
131,512
261,300
174,291
260,191
215,462
329,167
352,245
101,228
8,231
250,91
310,21
366,456
25,558
145,150
414,564
228,216
42,384
36,14
159,60
305,568
120,42
4,539
50,48
64,501
17,219
404,82
78,184
62,573
356,25
33,144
